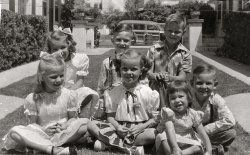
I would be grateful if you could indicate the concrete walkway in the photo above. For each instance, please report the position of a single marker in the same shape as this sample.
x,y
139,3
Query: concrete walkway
x,y
239,103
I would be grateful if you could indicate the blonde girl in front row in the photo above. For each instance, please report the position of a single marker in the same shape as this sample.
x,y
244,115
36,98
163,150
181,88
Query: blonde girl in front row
x,y
131,109
52,114
190,135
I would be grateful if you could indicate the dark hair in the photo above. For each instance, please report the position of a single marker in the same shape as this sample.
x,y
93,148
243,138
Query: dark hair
x,y
204,69
122,27
177,18
145,64
177,86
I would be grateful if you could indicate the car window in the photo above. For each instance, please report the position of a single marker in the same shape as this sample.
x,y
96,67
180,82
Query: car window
x,y
139,27
151,27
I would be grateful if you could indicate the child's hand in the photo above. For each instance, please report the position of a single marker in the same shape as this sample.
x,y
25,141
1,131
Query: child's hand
x,y
61,126
122,131
163,76
50,130
136,129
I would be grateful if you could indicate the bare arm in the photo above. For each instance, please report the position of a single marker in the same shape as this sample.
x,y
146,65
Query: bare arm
x,y
181,77
170,131
78,84
121,130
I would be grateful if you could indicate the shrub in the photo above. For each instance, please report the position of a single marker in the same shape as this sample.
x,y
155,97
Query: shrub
x,y
22,37
237,35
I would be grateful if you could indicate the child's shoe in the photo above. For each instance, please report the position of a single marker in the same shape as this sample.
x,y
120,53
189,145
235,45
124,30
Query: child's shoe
x,y
99,146
217,150
139,150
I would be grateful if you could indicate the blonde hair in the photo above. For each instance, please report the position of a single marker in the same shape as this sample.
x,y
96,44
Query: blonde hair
x,y
46,63
176,18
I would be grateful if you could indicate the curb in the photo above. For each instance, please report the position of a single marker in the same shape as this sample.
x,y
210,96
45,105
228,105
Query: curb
x,y
223,68
18,73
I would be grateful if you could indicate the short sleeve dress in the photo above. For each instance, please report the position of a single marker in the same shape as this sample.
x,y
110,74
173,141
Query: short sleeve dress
x,y
122,101
184,127
50,108
78,67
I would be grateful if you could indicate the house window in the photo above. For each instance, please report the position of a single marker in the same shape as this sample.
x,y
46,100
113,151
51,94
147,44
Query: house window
x,y
219,11
56,13
246,5
230,5
12,5
44,8
33,7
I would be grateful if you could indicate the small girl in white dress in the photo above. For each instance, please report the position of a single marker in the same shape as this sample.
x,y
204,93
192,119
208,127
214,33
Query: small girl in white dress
x,y
131,109
76,68
190,136
52,113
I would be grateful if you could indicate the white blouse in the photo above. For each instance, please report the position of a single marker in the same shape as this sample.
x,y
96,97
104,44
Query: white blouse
x,y
133,105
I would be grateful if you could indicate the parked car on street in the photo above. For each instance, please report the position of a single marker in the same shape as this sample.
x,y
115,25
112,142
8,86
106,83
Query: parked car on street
x,y
145,32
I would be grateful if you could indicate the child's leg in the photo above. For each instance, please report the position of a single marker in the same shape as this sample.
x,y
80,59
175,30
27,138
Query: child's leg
x,y
80,132
146,137
87,99
164,148
225,138
31,144
192,150
93,129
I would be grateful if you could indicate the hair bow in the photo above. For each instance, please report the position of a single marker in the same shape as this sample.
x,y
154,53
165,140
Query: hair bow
x,y
65,30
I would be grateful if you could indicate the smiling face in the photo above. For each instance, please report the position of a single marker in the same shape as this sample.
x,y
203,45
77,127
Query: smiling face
x,y
53,79
203,85
122,41
178,101
174,32
130,71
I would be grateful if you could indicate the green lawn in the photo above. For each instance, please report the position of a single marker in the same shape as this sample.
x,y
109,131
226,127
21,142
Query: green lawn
x,y
227,86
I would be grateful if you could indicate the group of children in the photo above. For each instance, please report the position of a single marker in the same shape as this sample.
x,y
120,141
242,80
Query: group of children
x,y
141,100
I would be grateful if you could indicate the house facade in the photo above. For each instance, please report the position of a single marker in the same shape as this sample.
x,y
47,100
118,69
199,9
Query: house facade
x,y
49,8
225,6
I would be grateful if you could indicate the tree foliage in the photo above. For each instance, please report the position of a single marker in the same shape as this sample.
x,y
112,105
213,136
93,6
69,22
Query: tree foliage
x,y
67,13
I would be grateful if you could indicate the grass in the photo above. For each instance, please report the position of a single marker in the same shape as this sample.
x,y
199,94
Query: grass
x,y
227,86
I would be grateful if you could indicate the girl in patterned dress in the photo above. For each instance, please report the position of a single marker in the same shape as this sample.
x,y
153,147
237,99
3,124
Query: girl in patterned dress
x,y
190,136
131,109
76,68
52,114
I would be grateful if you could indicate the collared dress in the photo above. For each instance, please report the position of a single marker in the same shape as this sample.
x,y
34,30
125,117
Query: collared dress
x,y
78,67
131,107
179,60
222,118
184,127
50,108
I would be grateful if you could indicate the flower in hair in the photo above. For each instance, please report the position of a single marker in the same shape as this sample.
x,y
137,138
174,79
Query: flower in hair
x,y
65,30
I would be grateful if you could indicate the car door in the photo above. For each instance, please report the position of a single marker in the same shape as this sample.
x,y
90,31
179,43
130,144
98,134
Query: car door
x,y
153,32
139,30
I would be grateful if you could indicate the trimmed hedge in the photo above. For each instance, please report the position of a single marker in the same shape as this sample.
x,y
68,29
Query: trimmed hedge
x,y
22,37
237,35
